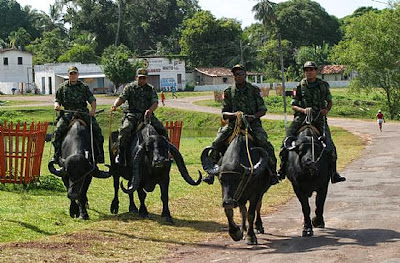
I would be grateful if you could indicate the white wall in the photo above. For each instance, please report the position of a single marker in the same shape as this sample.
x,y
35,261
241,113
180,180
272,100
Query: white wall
x,y
168,70
18,76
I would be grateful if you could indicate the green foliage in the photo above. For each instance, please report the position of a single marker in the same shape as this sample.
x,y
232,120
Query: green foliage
x,y
19,38
306,23
116,66
207,41
370,46
12,18
48,48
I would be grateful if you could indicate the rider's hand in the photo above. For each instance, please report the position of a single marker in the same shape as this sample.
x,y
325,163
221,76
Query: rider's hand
x,y
113,108
57,107
147,113
92,112
324,112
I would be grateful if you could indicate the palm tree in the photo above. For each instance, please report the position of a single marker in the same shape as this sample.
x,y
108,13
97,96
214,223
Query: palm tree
x,y
19,38
265,12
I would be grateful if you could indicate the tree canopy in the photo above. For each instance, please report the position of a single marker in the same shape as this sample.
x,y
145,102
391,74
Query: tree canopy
x,y
371,48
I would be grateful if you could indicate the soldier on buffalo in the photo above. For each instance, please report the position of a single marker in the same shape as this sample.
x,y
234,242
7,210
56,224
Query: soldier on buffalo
x,y
74,95
246,98
142,101
312,93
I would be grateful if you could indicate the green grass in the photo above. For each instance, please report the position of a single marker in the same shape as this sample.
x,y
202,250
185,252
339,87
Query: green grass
x,y
38,214
347,104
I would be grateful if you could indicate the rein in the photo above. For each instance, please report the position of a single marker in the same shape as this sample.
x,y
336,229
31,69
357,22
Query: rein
x,y
240,120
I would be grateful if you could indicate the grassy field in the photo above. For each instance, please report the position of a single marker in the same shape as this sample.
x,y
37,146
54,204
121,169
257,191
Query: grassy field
x,y
35,222
347,104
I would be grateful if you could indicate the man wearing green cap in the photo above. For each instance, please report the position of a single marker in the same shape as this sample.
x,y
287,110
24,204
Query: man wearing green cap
x,y
74,95
314,93
142,101
244,97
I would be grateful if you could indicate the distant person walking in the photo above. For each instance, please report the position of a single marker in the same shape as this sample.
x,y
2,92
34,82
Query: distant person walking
x,y
173,89
380,119
163,98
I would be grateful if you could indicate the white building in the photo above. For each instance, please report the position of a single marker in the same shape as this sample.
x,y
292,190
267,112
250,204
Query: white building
x,y
166,73
15,71
49,76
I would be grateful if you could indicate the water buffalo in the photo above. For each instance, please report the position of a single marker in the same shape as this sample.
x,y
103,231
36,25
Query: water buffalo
x,y
244,176
77,166
308,170
148,165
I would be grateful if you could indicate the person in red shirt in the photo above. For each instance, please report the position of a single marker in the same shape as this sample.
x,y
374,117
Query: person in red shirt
x,y
163,98
380,119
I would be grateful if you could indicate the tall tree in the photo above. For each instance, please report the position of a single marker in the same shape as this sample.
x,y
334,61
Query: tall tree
x,y
12,17
264,12
19,38
306,23
371,48
207,41
116,65
48,48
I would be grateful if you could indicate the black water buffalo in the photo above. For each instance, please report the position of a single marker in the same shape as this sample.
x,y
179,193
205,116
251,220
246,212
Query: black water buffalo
x,y
308,170
241,181
148,165
77,166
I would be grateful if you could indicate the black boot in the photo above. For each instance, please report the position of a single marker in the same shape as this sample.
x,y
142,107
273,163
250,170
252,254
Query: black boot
x,y
209,179
335,176
274,176
282,170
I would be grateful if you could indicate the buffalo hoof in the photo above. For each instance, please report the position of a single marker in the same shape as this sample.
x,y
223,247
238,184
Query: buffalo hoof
x,y
251,240
84,217
133,209
307,232
318,222
236,234
74,210
259,228
114,208
168,217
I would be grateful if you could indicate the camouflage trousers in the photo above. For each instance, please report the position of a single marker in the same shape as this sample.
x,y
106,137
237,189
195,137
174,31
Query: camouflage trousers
x,y
63,126
260,139
130,122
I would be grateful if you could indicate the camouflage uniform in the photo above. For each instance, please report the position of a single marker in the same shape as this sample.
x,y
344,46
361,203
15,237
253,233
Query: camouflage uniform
x,y
249,101
139,100
313,95
75,97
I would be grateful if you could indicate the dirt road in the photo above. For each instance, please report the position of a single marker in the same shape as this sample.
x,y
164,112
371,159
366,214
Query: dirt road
x,y
361,215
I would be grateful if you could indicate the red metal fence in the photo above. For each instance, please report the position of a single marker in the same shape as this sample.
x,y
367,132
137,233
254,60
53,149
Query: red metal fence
x,y
174,129
21,150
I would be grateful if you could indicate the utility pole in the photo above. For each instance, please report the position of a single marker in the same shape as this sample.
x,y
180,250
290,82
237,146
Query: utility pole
x,y
283,81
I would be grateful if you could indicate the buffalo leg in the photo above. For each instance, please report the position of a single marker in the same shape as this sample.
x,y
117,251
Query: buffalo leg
x,y
82,201
142,209
234,231
73,207
259,224
164,198
305,207
115,202
251,238
132,206
318,220
243,211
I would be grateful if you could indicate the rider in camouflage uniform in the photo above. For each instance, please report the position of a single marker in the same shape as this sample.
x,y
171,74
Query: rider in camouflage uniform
x,y
142,101
74,95
314,93
246,98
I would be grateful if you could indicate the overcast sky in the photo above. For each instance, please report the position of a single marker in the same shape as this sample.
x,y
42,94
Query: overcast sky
x,y
241,9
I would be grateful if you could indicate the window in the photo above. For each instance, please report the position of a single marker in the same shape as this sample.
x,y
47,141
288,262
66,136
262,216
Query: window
x,y
19,60
225,79
5,61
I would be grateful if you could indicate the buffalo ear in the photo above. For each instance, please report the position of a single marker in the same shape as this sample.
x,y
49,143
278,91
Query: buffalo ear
x,y
290,143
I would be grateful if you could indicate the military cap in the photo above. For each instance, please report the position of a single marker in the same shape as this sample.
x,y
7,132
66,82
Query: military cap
x,y
237,66
141,72
309,64
73,69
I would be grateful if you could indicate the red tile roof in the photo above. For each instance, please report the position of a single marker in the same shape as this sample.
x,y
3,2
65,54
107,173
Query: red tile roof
x,y
333,69
220,72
